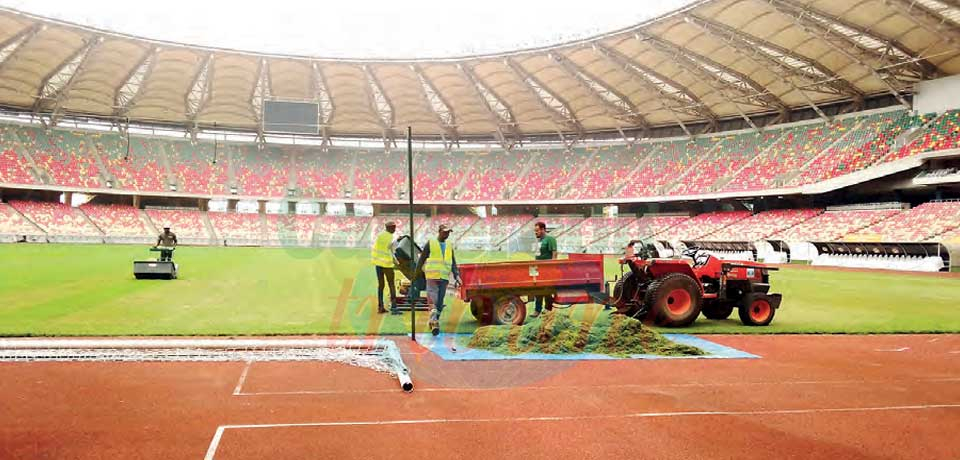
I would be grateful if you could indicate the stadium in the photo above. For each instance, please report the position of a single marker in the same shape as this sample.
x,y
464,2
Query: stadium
x,y
793,163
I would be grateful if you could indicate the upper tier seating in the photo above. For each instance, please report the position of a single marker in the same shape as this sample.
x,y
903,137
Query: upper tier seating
x,y
863,146
663,165
763,225
920,223
185,223
607,168
62,155
321,174
788,154
117,220
731,154
834,225
492,175
943,133
14,168
553,170
56,218
436,174
260,173
194,167
140,169
380,175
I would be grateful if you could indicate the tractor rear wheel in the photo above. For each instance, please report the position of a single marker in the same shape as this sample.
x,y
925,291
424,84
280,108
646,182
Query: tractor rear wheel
x,y
717,310
674,300
624,292
756,310
509,310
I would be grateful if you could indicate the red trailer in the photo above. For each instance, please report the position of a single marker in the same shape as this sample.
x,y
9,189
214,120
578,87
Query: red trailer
x,y
498,292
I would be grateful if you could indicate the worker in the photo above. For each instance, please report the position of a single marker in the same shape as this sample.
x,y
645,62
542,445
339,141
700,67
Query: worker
x,y
166,241
548,251
384,260
437,262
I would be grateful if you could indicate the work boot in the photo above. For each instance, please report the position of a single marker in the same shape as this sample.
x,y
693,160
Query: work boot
x,y
535,314
434,323
380,308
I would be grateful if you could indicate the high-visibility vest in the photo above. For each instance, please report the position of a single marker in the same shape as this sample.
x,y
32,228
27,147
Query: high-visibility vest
x,y
439,263
380,252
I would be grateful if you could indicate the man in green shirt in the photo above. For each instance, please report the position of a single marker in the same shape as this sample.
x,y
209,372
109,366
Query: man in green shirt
x,y
548,251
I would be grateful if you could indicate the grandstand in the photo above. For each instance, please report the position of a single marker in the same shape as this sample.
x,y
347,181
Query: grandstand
x,y
673,134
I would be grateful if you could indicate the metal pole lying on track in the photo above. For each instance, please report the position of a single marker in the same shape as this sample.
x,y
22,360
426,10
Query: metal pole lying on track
x,y
413,261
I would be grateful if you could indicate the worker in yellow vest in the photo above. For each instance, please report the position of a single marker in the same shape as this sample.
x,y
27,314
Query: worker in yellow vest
x,y
437,262
384,260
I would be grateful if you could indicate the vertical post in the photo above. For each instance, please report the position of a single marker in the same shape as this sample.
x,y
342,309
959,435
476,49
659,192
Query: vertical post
x,y
413,262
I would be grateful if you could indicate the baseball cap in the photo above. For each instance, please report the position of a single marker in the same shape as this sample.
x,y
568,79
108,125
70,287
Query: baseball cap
x,y
390,223
445,228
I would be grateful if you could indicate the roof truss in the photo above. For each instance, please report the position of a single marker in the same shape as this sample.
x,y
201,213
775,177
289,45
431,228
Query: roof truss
x,y
553,104
615,104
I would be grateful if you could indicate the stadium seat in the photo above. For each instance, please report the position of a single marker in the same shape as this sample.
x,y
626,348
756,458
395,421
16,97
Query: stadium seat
x,y
117,220
762,225
56,218
833,225
234,225
921,223
185,223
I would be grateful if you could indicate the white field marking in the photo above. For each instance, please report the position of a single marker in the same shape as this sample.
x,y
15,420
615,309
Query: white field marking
x,y
243,377
218,435
595,387
955,352
895,350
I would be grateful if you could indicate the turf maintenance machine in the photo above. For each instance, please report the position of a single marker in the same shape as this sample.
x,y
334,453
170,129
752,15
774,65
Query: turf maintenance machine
x,y
409,291
163,268
673,292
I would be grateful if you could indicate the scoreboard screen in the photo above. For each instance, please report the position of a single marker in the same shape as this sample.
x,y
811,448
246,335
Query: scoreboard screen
x,y
291,117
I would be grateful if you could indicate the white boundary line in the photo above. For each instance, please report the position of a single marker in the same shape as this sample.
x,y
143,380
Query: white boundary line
x,y
218,435
239,391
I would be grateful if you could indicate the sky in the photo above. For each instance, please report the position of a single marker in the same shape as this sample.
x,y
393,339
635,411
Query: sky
x,y
357,29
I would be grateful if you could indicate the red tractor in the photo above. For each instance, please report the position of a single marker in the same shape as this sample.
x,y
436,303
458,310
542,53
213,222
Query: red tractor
x,y
673,292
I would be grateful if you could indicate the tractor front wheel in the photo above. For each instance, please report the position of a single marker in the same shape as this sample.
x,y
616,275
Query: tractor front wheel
x,y
624,293
509,310
756,310
717,310
674,300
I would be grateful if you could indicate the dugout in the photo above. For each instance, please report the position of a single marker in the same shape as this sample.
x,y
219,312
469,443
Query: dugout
x,y
929,257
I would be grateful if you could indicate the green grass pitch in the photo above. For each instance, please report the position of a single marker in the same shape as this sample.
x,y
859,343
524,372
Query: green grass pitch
x,y
90,290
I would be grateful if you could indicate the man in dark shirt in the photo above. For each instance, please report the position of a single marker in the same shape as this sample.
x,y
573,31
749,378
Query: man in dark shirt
x,y
548,251
167,239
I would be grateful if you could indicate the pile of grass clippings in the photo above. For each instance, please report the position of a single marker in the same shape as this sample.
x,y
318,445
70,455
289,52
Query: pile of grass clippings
x,y
557,333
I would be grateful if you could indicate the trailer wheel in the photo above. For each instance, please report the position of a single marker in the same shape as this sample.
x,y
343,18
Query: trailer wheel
x,y
717,310
509,310
756,310
675,300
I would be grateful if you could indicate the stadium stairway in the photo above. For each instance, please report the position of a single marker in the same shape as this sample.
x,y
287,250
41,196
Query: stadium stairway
x,y
514,189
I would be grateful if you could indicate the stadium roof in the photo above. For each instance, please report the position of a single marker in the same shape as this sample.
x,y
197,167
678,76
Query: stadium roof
x,y
712,60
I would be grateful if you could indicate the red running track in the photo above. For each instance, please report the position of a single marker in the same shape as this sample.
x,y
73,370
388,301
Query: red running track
x,y
838,397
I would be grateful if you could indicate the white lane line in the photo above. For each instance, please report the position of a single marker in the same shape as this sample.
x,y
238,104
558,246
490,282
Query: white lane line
x,y
214,444
895,350
596,387
238,390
